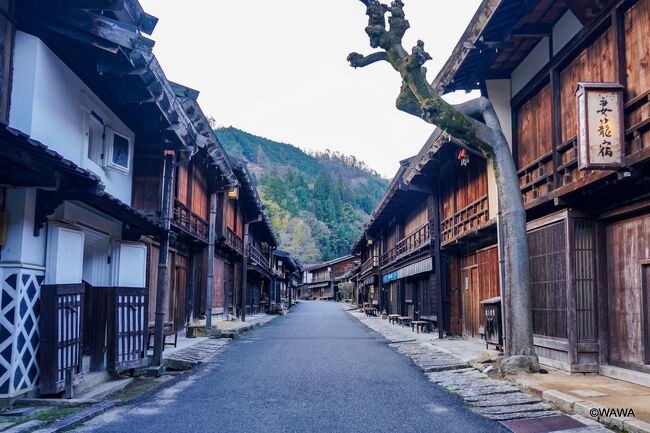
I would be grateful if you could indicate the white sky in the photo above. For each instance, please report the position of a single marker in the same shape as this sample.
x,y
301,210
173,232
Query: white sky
x,y
278,69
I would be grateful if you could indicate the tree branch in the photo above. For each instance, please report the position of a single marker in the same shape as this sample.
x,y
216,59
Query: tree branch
x,y
359,60
417,97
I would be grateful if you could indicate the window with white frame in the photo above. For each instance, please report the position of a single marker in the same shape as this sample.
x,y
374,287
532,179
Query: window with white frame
x,y
95,138
107,148
118,148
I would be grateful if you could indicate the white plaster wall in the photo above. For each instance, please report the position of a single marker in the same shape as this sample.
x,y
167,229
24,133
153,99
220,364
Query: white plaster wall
x,y
49,102
564,30
22,248
499,94
531,65
75,213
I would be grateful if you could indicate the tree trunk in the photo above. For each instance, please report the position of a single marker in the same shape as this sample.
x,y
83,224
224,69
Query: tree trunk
x,y
417,97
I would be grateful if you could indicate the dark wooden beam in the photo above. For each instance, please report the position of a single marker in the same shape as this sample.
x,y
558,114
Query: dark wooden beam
x,y
415,188
133,13
533,31
82,37
97,26
102,5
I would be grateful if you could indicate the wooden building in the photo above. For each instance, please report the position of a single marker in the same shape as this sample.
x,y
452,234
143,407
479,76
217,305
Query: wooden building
x,y
320,280
248,241
109,173
199,177
587,207
80,101
286,270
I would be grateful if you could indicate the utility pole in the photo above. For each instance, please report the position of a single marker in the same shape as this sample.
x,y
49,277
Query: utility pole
x,y
162,287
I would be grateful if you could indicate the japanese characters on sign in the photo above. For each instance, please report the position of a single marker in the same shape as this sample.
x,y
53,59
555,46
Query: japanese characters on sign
x,y
601,140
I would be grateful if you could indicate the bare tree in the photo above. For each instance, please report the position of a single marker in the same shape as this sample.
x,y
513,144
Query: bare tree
x,y
475,124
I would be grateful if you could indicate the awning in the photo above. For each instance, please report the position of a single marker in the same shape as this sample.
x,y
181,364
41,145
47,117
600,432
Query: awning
x,y
422,266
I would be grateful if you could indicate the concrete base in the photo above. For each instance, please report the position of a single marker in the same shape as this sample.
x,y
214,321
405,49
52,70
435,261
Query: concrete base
x,y
631,376
154,371
91,396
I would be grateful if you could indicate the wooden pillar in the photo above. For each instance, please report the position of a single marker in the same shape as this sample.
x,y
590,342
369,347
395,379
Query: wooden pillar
x,y
244,281
380,280
210,277
436,250
162,287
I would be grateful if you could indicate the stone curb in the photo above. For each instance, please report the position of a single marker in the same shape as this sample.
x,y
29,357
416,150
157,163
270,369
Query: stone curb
x,y
575,406
236,332
78,417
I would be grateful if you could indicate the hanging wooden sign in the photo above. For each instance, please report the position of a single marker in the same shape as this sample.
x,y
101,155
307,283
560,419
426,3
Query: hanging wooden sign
x,y
601,128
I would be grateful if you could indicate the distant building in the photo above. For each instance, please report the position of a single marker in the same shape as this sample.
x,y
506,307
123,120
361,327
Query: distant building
x,y
320,280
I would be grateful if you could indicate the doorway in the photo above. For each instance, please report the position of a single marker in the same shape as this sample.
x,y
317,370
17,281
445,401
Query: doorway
x,y
470,290
96,274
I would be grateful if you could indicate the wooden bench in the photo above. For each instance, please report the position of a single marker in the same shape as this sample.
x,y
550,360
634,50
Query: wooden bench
x,y
404,320
419,325
432,321
392,318
370,312
168,331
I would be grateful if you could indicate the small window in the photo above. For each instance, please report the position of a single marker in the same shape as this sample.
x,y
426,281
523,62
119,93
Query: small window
x,y
118,147
95,139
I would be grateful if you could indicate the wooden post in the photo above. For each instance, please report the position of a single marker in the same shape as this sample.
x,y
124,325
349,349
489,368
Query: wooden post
x,y
244,282
437,265
210,282
380,282
162,287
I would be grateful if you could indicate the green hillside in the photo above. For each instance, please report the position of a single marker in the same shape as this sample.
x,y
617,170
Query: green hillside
x,y
318,202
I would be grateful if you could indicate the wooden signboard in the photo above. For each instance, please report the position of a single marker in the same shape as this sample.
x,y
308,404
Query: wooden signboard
x,y
601,129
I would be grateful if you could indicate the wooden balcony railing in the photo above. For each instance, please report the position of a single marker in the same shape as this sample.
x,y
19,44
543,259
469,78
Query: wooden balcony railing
x,y
410,244
234,241
468,218
321,278
257,257
370,265
190,221
558,169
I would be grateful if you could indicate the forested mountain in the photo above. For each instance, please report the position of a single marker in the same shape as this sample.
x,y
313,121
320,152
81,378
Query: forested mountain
x,y
318,202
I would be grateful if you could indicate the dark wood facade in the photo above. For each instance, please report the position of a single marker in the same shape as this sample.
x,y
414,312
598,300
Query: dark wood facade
x,y
587,228
321,280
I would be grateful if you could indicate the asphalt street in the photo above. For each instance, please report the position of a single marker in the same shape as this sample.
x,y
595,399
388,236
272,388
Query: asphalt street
x,y
313,370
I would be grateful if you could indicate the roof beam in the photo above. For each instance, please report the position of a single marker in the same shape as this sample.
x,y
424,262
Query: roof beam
x,y
103,5
133,12
97,26
533,31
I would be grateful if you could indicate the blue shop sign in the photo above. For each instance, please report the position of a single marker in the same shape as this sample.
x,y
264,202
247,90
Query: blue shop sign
x,y
390,277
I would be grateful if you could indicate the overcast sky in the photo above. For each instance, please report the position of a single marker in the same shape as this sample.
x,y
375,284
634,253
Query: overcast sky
x,y
277,69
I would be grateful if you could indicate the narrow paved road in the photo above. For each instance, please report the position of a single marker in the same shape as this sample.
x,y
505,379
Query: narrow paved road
x,y
313,370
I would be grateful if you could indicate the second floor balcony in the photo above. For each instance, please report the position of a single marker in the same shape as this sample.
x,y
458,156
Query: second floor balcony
x,y
411,244
257,257
234,241
190,222
471,217
369,266
321,277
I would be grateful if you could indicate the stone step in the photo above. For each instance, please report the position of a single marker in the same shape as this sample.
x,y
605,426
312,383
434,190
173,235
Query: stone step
x,y
192,356
501,400
516,408
91,380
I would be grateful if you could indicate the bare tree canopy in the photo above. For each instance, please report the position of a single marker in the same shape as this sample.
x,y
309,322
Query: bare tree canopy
x,y
475,124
